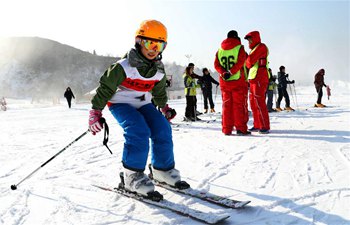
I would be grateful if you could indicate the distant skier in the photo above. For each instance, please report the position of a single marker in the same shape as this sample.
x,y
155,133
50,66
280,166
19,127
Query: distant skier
x,y
258,76
206,87
319,83
282,90
229,62
270,92
190,93
68,94
3,104
127,88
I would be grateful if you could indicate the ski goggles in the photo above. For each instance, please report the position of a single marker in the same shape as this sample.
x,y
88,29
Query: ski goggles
x,y
153,45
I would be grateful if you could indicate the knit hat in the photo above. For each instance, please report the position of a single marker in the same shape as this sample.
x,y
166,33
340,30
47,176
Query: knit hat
x,y
232,34
190,65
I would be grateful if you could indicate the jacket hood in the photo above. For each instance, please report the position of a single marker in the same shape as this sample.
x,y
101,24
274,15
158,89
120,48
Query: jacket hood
x,y
230,43
255,36
321,72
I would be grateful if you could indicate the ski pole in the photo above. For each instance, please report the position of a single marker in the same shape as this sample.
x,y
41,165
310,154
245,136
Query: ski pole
x,y
105,140
14,186
296,99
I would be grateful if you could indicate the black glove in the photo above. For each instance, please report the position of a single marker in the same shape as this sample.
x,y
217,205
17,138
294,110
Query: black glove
x,y
292,82
287,75
226,75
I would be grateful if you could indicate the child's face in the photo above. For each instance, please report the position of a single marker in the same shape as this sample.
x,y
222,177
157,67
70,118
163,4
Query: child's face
x,y
151,48
149,54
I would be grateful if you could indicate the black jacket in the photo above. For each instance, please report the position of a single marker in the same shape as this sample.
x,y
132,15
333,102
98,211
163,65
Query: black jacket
x,y
206,81
69,94
282,80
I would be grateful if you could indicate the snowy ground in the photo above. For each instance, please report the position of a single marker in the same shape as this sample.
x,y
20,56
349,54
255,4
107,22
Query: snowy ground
x,y
297,174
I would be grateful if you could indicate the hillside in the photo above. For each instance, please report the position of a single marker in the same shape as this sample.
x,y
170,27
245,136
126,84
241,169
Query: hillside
x,y
32,66
40,68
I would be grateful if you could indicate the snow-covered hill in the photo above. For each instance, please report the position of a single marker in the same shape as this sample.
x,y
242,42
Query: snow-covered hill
x,y
297,174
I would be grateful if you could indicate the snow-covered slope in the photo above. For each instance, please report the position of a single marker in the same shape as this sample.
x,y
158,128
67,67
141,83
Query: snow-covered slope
x,y
297,174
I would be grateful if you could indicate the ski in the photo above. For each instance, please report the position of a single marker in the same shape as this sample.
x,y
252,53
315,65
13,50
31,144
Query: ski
x,y
206,196
205,217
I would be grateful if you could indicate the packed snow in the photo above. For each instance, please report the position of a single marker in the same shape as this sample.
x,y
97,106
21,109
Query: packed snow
x,y
297,174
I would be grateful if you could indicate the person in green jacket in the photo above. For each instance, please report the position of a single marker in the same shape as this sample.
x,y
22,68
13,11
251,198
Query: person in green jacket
x,y
128,87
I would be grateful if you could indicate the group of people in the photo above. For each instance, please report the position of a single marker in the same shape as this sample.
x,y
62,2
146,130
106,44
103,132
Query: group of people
x,y
133,88
191,84
240,72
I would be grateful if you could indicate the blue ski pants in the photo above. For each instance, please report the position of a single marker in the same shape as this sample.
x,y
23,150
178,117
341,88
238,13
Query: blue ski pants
x,y
141,125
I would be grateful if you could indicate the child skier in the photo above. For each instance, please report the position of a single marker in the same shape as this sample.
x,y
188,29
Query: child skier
x,y
282,90
127,87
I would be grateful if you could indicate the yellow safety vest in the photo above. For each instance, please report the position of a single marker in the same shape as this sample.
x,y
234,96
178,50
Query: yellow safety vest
x,y
191,84
228,58
254,70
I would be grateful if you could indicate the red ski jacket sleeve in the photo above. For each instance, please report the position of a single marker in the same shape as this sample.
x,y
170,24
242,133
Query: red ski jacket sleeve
x,y
259,53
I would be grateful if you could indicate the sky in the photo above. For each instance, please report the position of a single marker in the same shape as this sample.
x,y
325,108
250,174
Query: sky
x,y
304,36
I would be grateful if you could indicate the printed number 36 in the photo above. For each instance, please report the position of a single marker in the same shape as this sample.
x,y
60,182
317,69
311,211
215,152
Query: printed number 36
x,y
228,62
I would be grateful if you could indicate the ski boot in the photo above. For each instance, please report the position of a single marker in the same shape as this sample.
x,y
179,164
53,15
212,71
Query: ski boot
x,y
189,119
241,133
139,183
171,177
198,113
253,129
264,131
279,109
319,105
289,109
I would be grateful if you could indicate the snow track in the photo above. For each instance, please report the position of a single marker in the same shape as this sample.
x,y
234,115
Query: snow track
x,y
297,174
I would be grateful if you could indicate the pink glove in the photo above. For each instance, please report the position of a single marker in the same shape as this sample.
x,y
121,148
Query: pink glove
x,y
95,125
168,112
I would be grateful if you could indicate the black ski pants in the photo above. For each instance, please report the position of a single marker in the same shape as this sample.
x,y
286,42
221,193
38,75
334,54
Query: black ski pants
x,y
269,103
190,106
208,95
282,92
69,101
319,95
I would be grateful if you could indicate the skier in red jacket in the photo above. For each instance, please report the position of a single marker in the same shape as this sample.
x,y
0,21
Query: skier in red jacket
x,y
258,77
229,63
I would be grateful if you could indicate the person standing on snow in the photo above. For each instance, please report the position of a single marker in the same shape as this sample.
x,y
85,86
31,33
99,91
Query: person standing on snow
x,y
229,63
127,87
190,93
270,91
319,84
282,90
68,94
258,77
206,87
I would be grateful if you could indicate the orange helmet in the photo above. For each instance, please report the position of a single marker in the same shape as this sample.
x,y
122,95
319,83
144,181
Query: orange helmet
x,y
152,29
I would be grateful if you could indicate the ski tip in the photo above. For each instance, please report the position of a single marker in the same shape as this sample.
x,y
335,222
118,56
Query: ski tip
x,y
217,219
242,204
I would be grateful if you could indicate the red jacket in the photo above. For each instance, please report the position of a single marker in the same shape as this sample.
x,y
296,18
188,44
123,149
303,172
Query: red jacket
x,y
227,44
259,55
319,79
